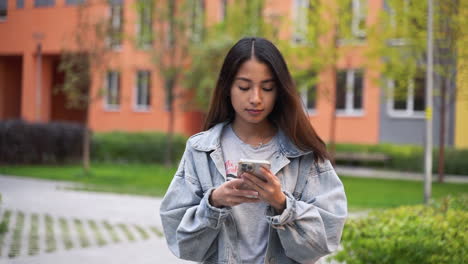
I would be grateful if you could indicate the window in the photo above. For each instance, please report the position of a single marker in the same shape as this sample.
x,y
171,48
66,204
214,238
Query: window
x,y
44,3
407,98
3,9
145,23
397,21
75,2
223,9
309,97
115,23
349,92
112,90
143,90
19,4
198,20
300,8
358,21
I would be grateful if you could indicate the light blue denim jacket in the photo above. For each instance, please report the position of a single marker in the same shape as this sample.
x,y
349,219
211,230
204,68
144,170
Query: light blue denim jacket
x,y
309,228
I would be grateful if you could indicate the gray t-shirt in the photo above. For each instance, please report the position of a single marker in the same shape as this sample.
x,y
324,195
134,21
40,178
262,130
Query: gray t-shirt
x,y
251,223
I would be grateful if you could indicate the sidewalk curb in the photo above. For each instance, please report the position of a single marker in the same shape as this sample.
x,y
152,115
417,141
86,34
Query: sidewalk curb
x,y
363,172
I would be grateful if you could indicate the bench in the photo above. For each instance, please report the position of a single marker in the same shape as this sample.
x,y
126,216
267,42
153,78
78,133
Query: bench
x,y
358,157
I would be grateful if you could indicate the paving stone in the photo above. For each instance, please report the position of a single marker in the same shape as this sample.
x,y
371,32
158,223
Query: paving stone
x,y
55,199
8,237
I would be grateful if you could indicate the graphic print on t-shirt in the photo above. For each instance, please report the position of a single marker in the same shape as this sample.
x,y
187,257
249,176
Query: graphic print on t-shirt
x,y
231,170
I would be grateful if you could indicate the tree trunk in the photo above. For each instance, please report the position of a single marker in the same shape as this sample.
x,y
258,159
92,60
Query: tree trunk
x,y
332,135
331,143
86,144
170,133
170,128
443,109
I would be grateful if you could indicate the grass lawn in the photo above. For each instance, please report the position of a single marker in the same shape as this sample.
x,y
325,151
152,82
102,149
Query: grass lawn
x,y
141,179
384,193
153,180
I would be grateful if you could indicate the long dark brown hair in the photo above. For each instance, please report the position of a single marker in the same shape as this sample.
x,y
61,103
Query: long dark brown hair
x,y
288,113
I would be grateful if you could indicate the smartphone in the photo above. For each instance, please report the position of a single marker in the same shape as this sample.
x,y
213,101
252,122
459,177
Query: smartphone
x,y
252,167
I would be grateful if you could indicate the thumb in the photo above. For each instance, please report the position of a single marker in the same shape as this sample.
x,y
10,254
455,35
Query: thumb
x,y
234,183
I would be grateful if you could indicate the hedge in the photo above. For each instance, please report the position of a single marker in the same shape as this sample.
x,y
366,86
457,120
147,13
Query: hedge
x,y
409,157
411,234
22,142
143,147
58,142
38,143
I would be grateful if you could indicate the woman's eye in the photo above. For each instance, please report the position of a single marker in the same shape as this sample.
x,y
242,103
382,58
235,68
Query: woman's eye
x,y
268,89
243,88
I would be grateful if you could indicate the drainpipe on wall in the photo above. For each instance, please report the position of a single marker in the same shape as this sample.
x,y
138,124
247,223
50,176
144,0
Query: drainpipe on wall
x,y
38,37
38,82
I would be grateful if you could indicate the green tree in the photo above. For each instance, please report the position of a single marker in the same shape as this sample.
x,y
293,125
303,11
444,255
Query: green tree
x,y
324,32
175,25
86,50
400,40
242,18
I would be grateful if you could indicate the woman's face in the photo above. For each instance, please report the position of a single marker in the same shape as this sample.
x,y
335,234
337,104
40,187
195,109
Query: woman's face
x,y
253,92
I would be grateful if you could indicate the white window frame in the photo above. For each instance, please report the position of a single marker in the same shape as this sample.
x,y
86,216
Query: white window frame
x,y
139,29
358,35
111,91
349,89
74,2
393,24
359,13
299,13
305,98
398,113
44,4
145,92
4,17
198,25
115,22
19,4
223,5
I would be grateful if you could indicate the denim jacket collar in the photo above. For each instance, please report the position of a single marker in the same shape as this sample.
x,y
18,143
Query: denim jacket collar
x,y
210,140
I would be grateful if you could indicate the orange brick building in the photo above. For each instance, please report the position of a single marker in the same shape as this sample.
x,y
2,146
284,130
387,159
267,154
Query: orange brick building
x,y
136,96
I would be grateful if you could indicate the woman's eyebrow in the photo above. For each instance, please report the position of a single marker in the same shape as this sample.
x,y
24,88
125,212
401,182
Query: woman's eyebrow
x,y
267,80
248,80
243,79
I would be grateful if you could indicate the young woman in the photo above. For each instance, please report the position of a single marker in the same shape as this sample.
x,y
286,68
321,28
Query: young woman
x,y
295,215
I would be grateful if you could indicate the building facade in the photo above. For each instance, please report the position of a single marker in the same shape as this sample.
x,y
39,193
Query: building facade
x,y
35,32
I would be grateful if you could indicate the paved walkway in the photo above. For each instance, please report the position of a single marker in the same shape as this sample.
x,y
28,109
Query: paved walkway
x,y
388,174
52,224
86,227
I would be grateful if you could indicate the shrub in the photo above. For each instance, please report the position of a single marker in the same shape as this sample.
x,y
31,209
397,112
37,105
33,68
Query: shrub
x,y
33,143
408,157
410,234
57,142
142,147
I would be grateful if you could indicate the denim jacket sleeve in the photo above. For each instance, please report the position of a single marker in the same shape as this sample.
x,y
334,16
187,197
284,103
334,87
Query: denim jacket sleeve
x,y
311,225
190,223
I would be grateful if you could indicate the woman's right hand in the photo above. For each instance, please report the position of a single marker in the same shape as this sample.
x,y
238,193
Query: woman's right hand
x,y
229,194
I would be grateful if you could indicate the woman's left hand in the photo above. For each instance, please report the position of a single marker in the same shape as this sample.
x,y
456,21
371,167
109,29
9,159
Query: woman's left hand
x,y
269,190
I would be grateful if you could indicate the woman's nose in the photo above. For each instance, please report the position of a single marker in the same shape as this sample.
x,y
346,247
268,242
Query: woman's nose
x,y
256,96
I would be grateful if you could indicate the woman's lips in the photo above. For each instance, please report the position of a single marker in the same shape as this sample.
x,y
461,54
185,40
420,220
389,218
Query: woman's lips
x,y
254,111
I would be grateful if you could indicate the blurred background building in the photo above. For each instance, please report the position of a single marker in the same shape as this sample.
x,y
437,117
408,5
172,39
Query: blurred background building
x,y
34,34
